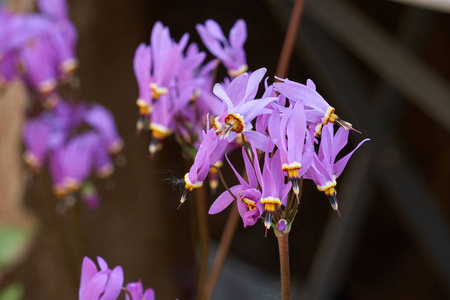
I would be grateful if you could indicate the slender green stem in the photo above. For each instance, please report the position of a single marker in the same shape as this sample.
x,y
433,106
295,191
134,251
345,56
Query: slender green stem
x,y
224,246
283,248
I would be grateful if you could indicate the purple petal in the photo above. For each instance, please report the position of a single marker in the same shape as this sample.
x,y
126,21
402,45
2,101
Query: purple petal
x,y
88,270
114,284
340,165
224,200
94,288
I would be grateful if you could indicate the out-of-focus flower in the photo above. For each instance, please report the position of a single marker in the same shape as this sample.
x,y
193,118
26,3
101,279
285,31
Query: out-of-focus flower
x,y
231,52
324,169
137,292
103,284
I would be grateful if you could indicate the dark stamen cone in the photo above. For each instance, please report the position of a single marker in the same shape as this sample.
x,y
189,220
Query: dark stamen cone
x,y
183,198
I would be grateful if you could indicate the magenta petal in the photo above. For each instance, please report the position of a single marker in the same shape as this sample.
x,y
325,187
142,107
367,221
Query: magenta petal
x,y
214,29
340,165
102,263
259,140
149,294
224,200
88,270
114,284
253,83
238,34
94,288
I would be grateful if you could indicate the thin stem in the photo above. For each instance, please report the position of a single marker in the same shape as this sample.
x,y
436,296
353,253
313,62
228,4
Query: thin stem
x,y
203,230
288,44
127,292
283,248
224,246
223,181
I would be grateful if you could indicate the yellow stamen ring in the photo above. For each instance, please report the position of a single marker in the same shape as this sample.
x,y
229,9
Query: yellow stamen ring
x,y
292,169
159,131
326,118
69,66
189,185
328,188
158,91
270,203
250,203
237,122
236,72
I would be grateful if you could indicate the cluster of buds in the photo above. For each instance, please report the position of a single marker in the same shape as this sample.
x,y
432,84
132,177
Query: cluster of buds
x,y
73,139
107,284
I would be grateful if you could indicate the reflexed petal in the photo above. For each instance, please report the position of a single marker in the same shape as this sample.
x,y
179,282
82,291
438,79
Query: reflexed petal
x,y
224,200
340,165
238,34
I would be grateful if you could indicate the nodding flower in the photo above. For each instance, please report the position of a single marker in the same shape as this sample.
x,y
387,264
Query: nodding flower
x,y
274,190
231,52
289,133
209,152
246,194
239,105
318,112
324,170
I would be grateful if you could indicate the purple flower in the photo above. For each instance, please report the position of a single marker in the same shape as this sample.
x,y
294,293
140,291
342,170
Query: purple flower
x,y
318,112
209,152
137,292
289,133
274,190
36,135
90,196
105,284
324,170
230,52
246,193
71,164
102,120
240,108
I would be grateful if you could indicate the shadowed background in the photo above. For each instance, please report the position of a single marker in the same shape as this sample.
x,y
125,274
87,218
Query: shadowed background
x,y
380,248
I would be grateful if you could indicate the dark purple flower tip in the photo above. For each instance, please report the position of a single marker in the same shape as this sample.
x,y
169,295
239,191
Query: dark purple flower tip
x,y
282,225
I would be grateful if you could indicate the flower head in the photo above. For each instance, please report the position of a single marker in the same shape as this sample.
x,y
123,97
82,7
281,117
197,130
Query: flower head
x,y
103,284
324,169
230,52
317,111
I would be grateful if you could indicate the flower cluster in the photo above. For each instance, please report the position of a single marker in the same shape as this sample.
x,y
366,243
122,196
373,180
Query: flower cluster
x,y
107,284
38,48
72,138
286,134
175,87
294,136
56,137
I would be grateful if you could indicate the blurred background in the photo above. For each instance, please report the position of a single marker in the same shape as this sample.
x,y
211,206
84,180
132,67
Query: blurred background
x,y
384,65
